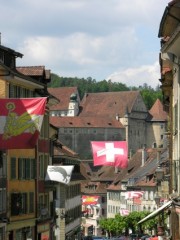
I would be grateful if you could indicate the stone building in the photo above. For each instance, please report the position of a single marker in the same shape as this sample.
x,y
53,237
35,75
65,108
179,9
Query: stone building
x,y
77,132
156,129
113,116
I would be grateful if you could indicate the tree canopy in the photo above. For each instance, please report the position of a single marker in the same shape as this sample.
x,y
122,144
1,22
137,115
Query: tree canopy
x,y
123,224
90,85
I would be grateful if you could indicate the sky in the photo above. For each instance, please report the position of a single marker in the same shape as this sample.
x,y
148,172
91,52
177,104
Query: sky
x,y
103,39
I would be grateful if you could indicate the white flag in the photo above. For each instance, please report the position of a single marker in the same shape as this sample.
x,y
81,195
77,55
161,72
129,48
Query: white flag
x,y
59,174
134,194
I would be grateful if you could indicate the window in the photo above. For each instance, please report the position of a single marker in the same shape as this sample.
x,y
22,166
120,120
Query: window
x,y
17,92
46,201
1,201
103,199
26,168
31,202
103,211
45,127
3,164
32,169
18,203
175,122
43,163
41,166
19,235
13,168
24,203
21,168
2,233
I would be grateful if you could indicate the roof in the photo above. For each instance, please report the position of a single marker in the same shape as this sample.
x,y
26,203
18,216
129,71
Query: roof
x,y
11,51
150,166
138,171
108,103
157,112
169,23
63,94
35,71
15,73
93,187
31,70
89,122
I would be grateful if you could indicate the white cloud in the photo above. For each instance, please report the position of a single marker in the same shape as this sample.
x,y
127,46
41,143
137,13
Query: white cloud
x,y
148,74
84,38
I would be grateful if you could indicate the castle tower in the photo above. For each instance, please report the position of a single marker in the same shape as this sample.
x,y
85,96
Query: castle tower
x,y
73,108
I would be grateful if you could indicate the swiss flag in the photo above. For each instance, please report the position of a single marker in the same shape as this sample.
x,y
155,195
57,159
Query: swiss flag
x,y
21,120
124,212
110,153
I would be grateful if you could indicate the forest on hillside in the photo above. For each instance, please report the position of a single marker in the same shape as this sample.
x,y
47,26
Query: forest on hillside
x,y
90,85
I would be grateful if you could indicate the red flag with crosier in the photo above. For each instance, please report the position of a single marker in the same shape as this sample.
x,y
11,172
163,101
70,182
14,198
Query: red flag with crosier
x,y
20,122
90,200
110,153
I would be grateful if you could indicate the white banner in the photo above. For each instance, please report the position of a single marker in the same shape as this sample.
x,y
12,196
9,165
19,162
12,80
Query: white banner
x,y
60,174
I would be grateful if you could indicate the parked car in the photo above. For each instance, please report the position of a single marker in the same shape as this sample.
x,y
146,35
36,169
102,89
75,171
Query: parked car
x,y
94,238
135,236
87,238
146,237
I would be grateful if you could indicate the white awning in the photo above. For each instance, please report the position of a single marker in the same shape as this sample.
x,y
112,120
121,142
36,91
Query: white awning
x,y
155,213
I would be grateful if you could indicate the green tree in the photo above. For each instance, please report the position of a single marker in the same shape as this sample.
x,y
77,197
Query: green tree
x,y
90,85
124,224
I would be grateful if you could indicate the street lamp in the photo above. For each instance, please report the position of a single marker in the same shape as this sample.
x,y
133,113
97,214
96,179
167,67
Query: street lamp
x,y
159,173
157,200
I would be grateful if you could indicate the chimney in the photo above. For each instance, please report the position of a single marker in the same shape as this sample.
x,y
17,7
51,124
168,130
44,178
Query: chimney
x,y
144,155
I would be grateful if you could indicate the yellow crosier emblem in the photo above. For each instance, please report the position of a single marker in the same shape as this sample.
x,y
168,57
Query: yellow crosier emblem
x,y
16,125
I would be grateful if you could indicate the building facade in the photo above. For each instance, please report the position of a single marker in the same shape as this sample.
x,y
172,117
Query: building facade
x,y
169,34
27,212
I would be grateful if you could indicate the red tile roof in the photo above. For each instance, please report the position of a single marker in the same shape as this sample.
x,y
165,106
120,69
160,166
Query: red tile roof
x,y
93,188
138,171
108,103
157,112
89,122
35,71
32,70
63,94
